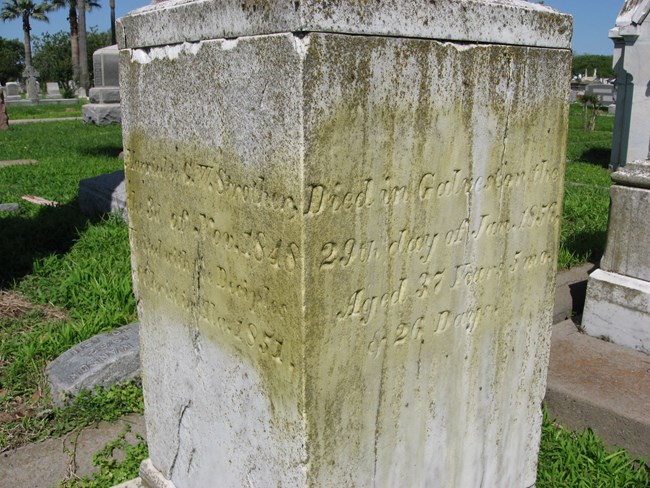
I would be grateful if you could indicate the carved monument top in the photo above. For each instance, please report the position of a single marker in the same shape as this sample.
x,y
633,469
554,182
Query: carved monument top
x,y
515,22
633,12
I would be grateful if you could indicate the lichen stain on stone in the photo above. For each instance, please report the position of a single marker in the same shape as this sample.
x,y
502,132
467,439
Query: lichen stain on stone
x,y
457,109
361,137
280,374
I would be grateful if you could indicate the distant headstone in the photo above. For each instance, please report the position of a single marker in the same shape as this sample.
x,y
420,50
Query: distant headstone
x,y
618,294
106,66
104,106
103,194
344,219
53,90
631,37
573,96
13,89
603,91
103,360
31,75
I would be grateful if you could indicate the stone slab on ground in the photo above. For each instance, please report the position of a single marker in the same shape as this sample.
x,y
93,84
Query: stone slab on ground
x,y
16,162
598,384
44,464
103,194
103,360
36,121
570,292
102,113
9,207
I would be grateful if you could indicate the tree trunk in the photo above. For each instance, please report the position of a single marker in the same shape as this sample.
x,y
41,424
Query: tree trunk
x,y
83,50
28,41
74,42
113,37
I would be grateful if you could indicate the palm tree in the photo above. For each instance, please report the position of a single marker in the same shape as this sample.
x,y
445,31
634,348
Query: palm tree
x,y
25,9
84,81
74,29
112,7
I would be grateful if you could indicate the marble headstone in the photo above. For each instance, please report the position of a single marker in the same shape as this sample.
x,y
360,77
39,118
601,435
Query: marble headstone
x,y
344,220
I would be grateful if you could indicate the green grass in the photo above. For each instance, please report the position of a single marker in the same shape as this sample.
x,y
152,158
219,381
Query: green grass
x,y
580,460
44,111
66,152
111,470
55,257
586,191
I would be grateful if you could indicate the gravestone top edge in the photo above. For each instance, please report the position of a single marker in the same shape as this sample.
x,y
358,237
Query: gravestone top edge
x,y
634,173
509,22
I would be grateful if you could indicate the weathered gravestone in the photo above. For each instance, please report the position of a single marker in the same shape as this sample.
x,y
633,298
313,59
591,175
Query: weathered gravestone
x,y
344,226
603,91
104,107
31,79
53,90
102,360
12,91
618,295
631,37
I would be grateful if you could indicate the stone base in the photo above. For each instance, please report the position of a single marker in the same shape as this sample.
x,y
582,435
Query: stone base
x,y
103,194
12,98
102,113
152,478
597,384
104,94
617,309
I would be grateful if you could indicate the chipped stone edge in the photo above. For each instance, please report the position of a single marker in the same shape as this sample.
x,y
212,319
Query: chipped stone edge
x,y
514,22
152,478
634,174
134,483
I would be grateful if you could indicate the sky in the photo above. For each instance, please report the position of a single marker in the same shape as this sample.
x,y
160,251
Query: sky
x,y
592,20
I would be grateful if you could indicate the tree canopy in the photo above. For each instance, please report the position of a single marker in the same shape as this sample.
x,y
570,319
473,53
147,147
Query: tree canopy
x,y
52,55
589,62
12,60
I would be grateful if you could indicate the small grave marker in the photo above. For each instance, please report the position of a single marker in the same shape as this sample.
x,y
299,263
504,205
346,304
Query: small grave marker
x,y
103,360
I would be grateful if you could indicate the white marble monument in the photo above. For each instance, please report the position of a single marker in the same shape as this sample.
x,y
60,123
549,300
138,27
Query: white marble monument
x,y
104,107
617,307
344,219
631,37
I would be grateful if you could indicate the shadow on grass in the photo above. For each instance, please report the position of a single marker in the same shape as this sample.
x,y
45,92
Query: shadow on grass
x,y
25,239
590,244
599,156
104,151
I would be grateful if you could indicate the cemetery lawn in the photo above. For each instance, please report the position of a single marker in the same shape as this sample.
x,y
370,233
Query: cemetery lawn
x,y
586,191
43,111
65,278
